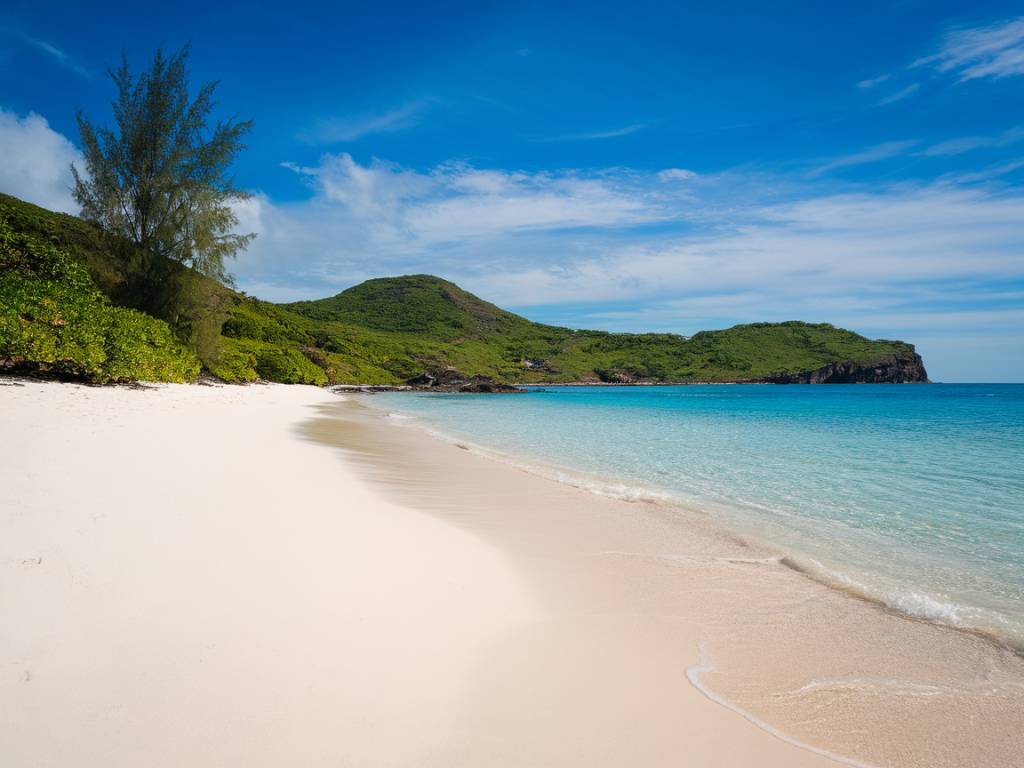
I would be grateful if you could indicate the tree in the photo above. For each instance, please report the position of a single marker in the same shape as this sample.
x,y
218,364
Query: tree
x,y
159,177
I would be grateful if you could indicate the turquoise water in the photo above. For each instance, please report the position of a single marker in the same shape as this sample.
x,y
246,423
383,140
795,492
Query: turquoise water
x,y
913,495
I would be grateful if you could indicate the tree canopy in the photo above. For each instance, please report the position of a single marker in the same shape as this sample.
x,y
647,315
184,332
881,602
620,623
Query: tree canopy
x,y
159,176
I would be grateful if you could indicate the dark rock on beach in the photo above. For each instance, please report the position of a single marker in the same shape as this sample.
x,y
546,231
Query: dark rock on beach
x,y
450,380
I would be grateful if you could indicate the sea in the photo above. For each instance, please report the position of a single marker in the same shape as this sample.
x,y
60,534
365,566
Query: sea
x,y
911,495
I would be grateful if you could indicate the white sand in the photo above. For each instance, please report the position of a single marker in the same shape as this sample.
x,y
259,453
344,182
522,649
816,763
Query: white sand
x,y
186,581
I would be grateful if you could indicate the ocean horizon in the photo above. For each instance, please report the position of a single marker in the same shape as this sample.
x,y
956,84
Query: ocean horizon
x,y
909,495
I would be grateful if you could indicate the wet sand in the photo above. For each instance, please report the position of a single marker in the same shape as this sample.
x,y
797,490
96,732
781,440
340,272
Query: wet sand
x,y
641,606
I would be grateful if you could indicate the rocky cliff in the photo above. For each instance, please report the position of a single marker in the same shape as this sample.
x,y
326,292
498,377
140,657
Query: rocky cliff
x,y
888,370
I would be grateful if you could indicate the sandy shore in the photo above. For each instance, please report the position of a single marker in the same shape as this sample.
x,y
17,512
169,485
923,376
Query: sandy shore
x,y
186,582
635,600
190,576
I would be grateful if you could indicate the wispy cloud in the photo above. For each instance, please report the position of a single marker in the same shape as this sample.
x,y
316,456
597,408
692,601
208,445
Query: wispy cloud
x,y
351,128
872,82
455,201
899,95
677,174
987,174
819,245
995,50
970,143
871,155
613,133
58,54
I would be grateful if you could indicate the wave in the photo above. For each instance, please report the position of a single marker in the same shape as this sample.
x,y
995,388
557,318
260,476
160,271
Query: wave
x,y
704,665
915,603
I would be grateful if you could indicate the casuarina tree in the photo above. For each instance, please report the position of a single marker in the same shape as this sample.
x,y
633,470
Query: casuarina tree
x,y
159,179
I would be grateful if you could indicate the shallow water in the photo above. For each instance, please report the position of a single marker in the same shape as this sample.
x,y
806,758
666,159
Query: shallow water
x,y
913,495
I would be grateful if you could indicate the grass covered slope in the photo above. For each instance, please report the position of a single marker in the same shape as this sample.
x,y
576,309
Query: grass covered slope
x,y
421,304
383,331
54,319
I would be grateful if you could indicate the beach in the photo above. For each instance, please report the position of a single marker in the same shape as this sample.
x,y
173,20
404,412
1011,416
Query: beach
x,y
269,575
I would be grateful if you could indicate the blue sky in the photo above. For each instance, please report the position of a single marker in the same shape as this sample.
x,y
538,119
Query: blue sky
x,y
623,166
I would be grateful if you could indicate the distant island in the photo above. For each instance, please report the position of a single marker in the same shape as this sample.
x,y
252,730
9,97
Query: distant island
x,y
68,308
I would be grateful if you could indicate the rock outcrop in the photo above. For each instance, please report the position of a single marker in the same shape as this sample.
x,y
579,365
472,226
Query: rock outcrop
x,y
888,370
450,380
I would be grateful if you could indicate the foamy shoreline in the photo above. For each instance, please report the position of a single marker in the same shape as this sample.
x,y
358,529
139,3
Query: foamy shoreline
x,y
191,578
894,597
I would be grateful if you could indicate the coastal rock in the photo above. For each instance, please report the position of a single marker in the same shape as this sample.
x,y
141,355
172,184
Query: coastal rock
x,y
484,385
423,380
619,376
888,370
444,377
450,380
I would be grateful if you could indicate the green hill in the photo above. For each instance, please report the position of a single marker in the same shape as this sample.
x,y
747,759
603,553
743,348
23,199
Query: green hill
x,y
382,331
420,304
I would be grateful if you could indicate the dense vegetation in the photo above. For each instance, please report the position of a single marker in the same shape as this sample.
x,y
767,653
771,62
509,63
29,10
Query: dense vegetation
x,y
383,331
54,318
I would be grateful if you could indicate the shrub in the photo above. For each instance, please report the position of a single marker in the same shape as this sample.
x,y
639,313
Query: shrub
x,y
244,360
54,319
288,366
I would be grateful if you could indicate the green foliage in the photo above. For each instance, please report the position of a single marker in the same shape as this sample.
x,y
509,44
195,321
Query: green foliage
x,y
288,366
243,360
54,319
159,177
234,363
263,321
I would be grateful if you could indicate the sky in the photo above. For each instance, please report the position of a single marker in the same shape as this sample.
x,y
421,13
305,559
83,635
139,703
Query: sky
x,y
622,166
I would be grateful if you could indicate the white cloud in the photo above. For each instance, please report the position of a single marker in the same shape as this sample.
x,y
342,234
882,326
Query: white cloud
x,y
871,155
677,174
36,161
987,174
456,201
900,95
970,143
380,218
996,51
612,133
872,82
887,245
351,128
